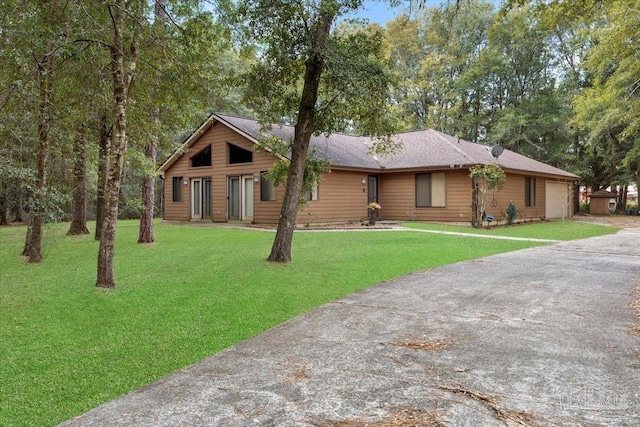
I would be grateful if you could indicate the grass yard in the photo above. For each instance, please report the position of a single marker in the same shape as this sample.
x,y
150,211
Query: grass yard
x,y
66,346
553,230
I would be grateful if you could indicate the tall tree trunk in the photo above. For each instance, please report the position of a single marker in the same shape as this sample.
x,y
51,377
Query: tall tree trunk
x,y
476,212
103,165
122,77
45,87
19,208
28,240
145,234
148,192
622,198
3,208
305,126
79,215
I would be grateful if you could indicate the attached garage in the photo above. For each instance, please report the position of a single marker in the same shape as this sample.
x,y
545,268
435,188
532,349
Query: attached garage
x,y
558,201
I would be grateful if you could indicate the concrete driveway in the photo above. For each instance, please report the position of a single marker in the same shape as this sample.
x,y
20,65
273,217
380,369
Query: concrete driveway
x,y
538,337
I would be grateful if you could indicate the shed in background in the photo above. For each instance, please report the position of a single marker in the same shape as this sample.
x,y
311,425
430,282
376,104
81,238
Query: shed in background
x,y
602,202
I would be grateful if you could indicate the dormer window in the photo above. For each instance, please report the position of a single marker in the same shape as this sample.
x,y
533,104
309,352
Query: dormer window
x,y
239,155
202,158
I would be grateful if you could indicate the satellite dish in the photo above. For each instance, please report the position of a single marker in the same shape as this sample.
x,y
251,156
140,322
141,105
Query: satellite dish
x,y
496,150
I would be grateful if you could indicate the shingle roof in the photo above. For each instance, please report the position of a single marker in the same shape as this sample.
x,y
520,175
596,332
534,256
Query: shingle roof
x,y
603,193
424,149
420,149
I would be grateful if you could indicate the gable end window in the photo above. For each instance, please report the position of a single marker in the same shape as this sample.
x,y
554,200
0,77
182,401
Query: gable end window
x,y
177,188
529,192
239,154
430,190
267,189
202,158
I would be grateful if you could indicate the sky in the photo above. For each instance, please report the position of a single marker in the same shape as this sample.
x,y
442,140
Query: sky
x,y
380,12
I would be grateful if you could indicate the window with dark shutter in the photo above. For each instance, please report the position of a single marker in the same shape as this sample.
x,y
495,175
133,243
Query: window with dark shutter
x,y
529,192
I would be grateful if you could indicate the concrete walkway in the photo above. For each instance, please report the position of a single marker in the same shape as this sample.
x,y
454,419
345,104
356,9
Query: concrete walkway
x,y
537,337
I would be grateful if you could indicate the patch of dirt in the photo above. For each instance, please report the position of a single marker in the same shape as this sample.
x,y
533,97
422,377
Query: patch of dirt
x,y
398,417
301,374
622,221
426,345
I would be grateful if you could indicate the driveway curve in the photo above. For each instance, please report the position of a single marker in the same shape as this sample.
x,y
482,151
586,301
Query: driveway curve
x,y
537,337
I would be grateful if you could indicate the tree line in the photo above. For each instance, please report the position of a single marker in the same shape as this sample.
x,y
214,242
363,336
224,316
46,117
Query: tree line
x,y
94,94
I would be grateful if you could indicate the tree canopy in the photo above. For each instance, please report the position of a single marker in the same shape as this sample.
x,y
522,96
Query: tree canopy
x,y
558,81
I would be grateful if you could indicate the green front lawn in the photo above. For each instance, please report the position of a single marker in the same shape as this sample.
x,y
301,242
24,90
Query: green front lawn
x,y
553,230
66,346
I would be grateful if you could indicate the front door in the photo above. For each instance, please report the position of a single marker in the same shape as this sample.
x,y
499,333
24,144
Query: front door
x,y
372,193
234,197
206,197
240,198
196,198
200,198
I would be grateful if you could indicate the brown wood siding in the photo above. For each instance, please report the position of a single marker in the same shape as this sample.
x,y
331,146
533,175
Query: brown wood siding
x,y
342,197
398,200
218,135
513,190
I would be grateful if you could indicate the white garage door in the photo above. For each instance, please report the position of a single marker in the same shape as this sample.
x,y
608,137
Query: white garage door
x,y
557,200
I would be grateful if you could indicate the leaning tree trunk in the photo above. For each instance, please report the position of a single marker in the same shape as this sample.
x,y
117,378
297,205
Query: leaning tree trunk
x,y
79,215
305,126
45,85
122,78
103,164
